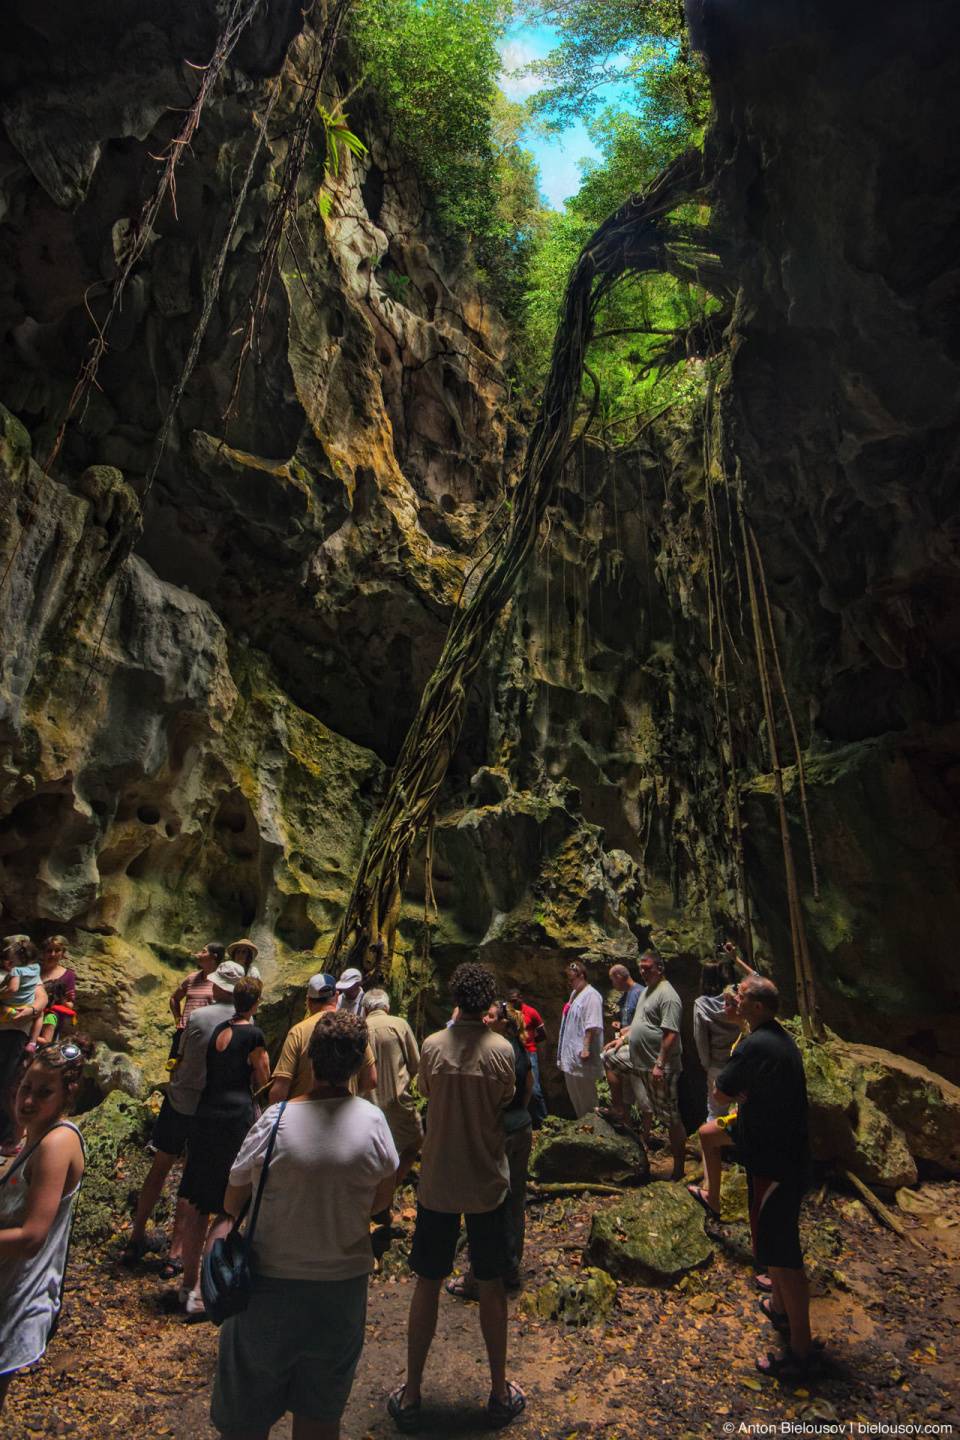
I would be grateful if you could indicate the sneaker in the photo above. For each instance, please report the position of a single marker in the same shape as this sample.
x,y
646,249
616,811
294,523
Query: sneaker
x,y
194,1305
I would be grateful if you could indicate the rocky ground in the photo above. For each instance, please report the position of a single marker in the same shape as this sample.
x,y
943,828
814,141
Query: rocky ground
x,y
675,1362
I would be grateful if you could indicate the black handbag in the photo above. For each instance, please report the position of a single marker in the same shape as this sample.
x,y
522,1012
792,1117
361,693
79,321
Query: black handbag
x,y
225,1269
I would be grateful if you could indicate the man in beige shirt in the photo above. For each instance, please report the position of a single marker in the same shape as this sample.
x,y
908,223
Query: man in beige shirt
x,y
293,1076
467,1075
397,1058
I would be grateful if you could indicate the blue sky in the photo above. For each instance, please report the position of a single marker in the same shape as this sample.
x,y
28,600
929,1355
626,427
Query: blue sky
x,y
559,173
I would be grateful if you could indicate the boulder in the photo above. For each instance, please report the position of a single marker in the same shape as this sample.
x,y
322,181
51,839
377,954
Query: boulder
x,y
112,1070
875,1113
114,1134
583,1301
588,1150
734,1202
654,1237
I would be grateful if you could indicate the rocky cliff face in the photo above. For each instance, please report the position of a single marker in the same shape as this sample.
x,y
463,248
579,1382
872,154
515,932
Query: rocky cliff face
x,y
198,711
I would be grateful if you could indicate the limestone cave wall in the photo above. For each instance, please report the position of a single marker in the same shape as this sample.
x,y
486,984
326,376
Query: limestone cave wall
x,y
204,686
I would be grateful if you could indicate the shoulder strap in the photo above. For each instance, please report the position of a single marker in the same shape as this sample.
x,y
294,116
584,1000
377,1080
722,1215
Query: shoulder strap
x,y
24,1155
263,1174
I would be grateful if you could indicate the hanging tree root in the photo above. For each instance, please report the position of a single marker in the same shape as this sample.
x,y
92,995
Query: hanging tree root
x,y
240,14
885,1216
636,238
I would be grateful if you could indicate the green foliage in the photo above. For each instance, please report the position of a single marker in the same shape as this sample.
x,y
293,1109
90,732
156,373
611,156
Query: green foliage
x,y
338,134
434,65
642,46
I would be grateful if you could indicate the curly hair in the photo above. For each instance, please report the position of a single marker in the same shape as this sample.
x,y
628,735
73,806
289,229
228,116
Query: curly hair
x,y
474,987
337,1047
246,993
66,1060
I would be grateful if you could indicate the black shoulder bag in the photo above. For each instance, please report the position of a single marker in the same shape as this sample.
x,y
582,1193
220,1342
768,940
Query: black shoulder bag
x,y
225,1269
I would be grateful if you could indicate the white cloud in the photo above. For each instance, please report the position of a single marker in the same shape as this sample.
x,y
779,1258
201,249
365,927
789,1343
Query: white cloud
x,y
515,54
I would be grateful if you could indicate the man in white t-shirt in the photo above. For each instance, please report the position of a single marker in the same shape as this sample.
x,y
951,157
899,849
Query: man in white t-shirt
x,y
581,1039
349,993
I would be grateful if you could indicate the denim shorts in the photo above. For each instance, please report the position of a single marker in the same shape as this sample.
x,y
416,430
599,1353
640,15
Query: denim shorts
x,y
296,1348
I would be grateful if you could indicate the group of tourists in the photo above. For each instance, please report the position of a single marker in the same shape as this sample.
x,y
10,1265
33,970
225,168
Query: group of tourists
x,y
325,1163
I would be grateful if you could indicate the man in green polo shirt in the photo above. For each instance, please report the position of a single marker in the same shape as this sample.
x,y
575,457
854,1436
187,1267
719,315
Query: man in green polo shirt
x,y
655,1054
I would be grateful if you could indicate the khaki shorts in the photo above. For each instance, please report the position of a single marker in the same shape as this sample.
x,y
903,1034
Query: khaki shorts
x,y
662,1098
404,1123
619,1060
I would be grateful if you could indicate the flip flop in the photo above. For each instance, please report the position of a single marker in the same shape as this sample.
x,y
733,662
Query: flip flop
x,y
460,1286
701,1198
501,1412
407,1418
778,1319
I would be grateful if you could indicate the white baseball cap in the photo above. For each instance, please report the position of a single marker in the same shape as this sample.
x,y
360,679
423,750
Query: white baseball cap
x,y
348,979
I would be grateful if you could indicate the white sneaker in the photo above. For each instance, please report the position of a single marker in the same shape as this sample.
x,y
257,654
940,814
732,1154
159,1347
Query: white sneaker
x,y
194,1304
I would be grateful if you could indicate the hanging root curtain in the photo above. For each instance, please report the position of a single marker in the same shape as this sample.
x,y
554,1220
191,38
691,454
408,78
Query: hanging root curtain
x,y
639,237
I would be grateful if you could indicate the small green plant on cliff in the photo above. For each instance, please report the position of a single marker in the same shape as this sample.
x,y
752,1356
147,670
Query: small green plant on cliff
x,y
338,134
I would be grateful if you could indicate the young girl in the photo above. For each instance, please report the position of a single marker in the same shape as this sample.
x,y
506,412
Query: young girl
x,y
18,983
37,1194
15,1031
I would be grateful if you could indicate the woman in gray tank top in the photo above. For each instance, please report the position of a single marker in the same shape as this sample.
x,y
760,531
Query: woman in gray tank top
x,y
37,1194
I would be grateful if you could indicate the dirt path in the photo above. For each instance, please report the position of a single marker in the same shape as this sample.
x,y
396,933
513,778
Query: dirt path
x,y
677,1363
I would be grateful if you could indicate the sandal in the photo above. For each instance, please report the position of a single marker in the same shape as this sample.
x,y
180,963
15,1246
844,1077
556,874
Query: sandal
x,y
778,1319
460,1286
611,1116
171,1268
501,1412
133,1251
764,1283
701,1198
407,1418
789,1366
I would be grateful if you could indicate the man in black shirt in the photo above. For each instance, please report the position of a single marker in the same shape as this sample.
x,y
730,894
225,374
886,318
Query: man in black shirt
x,y
765,1076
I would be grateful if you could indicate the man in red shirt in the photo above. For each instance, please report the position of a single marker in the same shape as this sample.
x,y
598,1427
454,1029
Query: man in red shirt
x,y
535,1032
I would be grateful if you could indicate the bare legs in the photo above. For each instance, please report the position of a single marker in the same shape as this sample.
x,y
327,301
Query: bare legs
x,y
422,1326
790,1295
713,1141
194,1233
678,1149
616,1093
407,1157
150,1193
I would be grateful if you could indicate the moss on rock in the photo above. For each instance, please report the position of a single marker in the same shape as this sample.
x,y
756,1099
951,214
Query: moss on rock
x,y
654,1237
114,1134
586,1150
